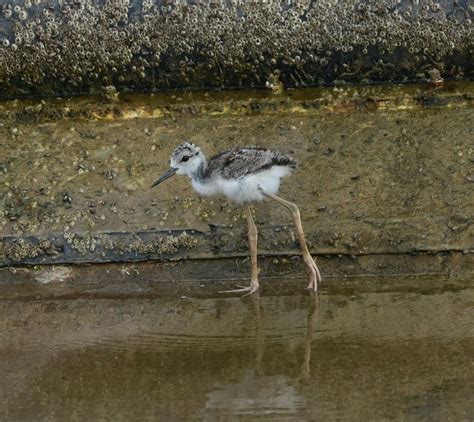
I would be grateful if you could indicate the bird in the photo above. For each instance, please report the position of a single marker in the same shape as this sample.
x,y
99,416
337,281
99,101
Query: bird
x,y
244,175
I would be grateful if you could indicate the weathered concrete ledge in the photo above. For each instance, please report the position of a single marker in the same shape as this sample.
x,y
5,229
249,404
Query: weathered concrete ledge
x,y
239,103
421,273
374,237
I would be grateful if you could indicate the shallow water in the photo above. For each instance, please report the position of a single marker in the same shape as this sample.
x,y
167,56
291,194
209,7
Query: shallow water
x,y
399,354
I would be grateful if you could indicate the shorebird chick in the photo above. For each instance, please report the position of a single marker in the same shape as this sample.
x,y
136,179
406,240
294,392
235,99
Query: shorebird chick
x,y
243,175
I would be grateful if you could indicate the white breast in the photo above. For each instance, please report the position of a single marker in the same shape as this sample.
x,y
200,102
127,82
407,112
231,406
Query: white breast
x,y
247,188
206,189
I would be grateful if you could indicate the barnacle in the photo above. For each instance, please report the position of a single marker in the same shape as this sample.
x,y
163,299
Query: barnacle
x,y
221,42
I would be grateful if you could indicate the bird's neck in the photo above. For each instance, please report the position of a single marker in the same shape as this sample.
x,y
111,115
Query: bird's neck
x,y
199,174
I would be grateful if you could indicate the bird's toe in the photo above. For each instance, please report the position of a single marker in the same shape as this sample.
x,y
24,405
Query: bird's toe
x,y
247,290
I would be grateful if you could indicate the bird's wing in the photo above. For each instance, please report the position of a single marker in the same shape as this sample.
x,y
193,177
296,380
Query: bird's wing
x,y
238,162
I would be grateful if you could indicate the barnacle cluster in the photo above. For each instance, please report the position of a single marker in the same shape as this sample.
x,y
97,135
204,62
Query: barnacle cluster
x,y
163,245
100,242
23,249
61,46
88,242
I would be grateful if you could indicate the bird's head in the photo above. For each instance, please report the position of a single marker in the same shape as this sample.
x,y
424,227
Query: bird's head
x,y
185,159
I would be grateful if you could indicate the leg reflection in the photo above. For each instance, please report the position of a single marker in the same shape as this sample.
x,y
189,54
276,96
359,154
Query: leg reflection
x,y
251,394
259,335
313,314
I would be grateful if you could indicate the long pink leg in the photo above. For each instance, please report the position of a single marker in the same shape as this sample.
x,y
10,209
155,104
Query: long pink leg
x,y
315,275
252,236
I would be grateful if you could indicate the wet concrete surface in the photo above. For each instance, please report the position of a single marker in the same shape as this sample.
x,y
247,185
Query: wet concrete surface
x,y
362,349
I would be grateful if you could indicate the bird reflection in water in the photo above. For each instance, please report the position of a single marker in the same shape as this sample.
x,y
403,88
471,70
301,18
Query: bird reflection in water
x,y
313,314
260,395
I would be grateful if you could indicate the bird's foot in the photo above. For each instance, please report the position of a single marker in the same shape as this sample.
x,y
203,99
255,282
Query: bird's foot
x,y
315,275
312,286
242,289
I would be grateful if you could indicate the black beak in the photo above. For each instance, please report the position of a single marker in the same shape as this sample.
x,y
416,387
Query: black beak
x,y
165,176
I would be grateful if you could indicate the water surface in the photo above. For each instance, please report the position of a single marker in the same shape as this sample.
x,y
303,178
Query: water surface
x,y
398,354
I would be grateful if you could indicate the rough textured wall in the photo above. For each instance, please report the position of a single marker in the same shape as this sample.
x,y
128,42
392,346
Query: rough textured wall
x,y
81,46
390,179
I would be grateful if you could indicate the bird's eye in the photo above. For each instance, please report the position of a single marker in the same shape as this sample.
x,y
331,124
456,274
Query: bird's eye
x,y
184,159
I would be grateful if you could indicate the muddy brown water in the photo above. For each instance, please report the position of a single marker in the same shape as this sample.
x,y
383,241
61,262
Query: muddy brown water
x,y
399,350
